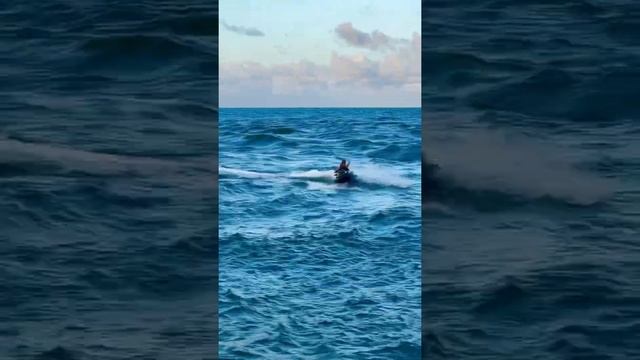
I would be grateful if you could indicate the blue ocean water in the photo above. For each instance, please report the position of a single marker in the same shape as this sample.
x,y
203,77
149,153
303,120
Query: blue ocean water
x,y
107,179
310,269
532,180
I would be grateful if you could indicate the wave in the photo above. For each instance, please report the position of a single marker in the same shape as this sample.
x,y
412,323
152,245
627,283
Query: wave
x,y
138,45
60,352
203,24
397,153
623,28
489,163
365,174
137,55
500,298
548,92
283,130
450,62
559,94
262,138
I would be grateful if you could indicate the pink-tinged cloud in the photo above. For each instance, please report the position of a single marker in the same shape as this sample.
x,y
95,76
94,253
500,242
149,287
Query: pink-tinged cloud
x,y
393,80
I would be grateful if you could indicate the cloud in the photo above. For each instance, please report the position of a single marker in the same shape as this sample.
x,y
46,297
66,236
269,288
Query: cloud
x,y
404,65
401,67
394,79
243,30
357,38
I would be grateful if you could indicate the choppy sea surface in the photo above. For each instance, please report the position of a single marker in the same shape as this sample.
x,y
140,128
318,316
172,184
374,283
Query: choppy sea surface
x,y
107,179
311,269
532,192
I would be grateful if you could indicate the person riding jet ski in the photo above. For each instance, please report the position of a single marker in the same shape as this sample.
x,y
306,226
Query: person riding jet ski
x,y
342,173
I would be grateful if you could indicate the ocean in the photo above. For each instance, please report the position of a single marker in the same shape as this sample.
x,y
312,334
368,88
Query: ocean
x,y
108,193
531,197
108,149
311,269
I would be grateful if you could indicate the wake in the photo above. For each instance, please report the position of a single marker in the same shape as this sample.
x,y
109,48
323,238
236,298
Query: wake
x,y
21,158
367,174
244,174
488,161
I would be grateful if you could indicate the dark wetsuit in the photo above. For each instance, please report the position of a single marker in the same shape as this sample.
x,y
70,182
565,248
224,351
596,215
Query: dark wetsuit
x,y
343,166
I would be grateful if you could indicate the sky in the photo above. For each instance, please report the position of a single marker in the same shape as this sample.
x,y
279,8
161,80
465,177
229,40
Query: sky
x,y
311,53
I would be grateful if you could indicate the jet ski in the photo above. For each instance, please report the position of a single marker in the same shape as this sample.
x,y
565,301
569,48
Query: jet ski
x,y
343,176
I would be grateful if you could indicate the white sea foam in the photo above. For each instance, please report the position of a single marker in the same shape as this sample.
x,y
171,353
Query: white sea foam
x,y
369,174
244,173
517,165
